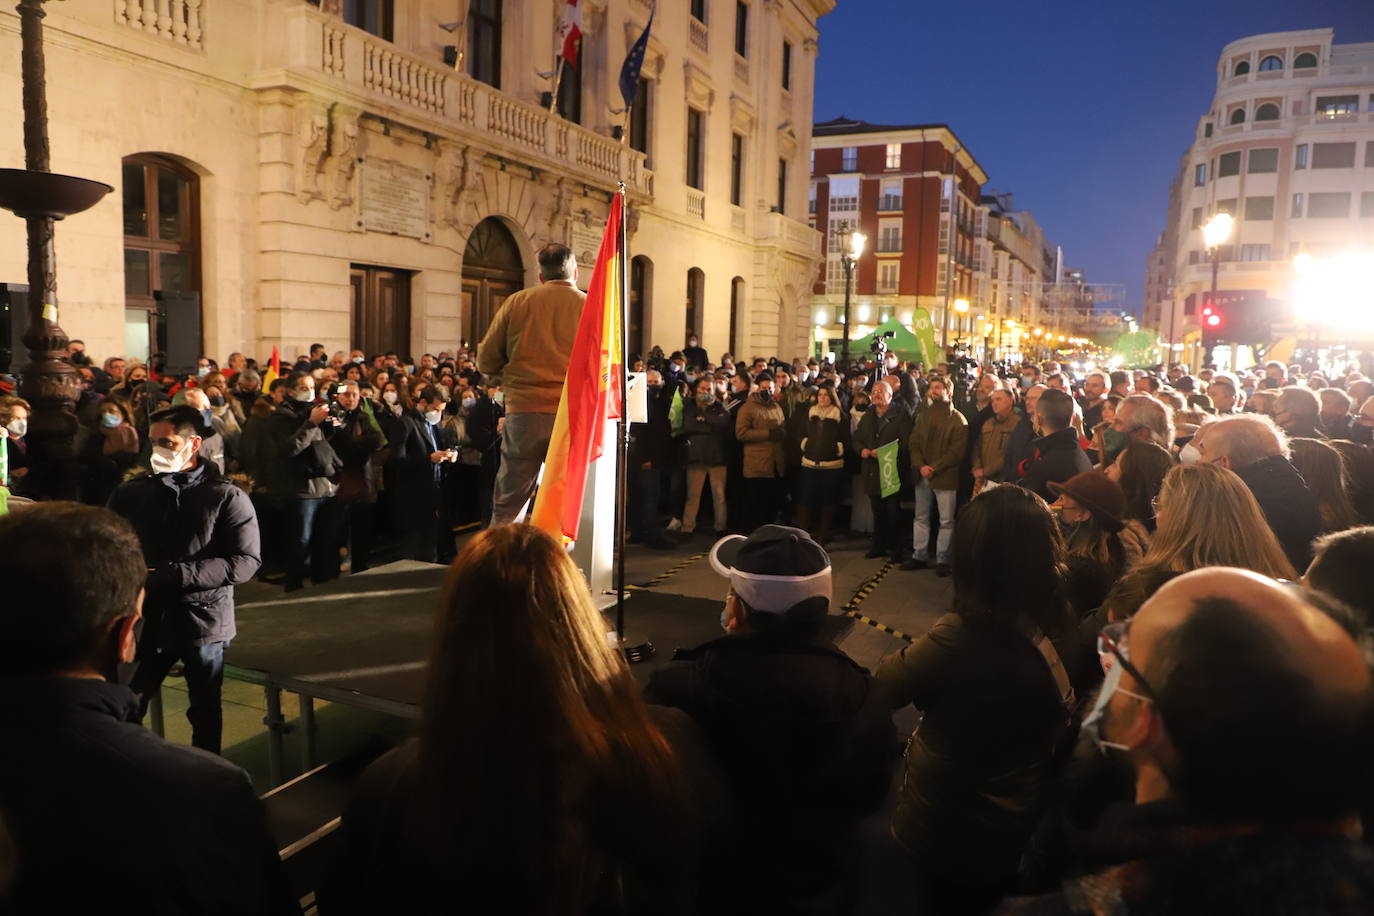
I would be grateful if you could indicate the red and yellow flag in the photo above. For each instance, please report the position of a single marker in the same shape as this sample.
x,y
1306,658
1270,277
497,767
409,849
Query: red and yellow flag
x,y
273,370
591,391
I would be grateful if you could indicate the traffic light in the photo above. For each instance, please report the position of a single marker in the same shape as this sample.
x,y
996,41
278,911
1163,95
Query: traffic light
x,y
1213,326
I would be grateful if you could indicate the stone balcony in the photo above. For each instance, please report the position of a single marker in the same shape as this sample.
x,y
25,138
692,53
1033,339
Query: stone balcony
x,y
788,234
319,53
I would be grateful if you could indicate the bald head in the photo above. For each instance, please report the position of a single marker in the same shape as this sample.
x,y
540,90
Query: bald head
x,y
1261,700
1242,439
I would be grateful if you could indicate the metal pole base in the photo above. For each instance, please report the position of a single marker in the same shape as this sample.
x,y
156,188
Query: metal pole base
x,y
636,647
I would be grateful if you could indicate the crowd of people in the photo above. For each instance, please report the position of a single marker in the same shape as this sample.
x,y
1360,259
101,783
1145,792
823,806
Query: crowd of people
x,y
1151,691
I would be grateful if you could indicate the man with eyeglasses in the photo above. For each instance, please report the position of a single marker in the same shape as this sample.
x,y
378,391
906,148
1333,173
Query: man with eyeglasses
x,y
1242,707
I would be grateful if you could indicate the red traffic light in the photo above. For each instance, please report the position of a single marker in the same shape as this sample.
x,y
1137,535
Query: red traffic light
x,y
1213,321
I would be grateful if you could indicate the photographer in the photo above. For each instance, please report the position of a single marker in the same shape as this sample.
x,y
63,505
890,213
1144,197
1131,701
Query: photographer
x,y
302,477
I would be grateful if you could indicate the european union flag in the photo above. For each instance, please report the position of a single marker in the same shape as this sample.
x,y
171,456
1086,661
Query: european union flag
x,y
629,71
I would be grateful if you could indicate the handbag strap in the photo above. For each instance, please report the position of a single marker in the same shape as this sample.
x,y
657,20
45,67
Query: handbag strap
x,y
1045,646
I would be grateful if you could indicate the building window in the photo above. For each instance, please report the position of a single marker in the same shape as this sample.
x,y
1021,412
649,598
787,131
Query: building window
x,y
1328,205
1263,160
782,185
890,237
1257,208
1369,150
1300,156
1207,129
161,245
1226,206
741,28
699,11
1228,165
736,300
1194,256
811,201
1333,155
1199,174
1197,217
1267,112
1271,63
1367,205
484,42
570,94
372,16
1238,116
894,155
1242,68
849,159
736,169
1304,61
888,272
639,116
1254,252
694,132
787,66
1332,107
696,291
1295,212
891,198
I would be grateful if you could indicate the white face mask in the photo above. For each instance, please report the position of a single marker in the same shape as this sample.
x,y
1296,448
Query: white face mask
x,y
165,461
202,371
110,420
468,402
18,428
1189,454
304,397
390,397
432,417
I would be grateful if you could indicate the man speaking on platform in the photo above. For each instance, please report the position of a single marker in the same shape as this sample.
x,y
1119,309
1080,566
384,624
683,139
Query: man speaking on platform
x,y
528,344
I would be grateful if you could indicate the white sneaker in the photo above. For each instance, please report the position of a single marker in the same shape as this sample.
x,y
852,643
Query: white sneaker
x,y
675,525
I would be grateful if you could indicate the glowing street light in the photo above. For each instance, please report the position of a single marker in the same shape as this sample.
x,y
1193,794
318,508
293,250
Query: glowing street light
x,y
961,305
857,241
1214,235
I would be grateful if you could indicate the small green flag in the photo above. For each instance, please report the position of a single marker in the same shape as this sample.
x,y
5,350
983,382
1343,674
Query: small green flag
x,y
889,475
675,412
4,461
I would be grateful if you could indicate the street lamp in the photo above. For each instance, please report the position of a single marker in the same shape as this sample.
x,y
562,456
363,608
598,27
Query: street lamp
x,y
1214,235
848,259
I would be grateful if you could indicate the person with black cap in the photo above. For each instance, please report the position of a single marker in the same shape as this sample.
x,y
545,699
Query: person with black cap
x,y
803,732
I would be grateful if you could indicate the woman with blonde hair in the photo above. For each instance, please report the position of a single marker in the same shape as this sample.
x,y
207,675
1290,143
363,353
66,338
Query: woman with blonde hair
x,y
1323,468
1205,516
538,782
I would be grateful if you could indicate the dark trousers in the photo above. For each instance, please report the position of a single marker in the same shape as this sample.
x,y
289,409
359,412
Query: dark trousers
x,y
763,498
887,529
312,544
204,668
421,514
644,487
361,524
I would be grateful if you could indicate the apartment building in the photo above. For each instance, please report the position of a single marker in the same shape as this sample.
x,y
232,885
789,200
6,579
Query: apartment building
x,y
379,175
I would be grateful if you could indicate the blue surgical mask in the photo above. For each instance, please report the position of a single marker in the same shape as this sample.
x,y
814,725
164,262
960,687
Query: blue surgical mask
x,y
110,420
206,415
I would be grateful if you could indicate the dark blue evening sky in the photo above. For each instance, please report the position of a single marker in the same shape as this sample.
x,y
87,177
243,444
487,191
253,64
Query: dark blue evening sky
x,y
1081,109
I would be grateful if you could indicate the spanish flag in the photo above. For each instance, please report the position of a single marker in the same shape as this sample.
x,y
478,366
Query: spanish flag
x,y
273,371
591,391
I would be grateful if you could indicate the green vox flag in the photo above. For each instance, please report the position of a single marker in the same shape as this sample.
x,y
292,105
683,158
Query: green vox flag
x,y
924,330
889,475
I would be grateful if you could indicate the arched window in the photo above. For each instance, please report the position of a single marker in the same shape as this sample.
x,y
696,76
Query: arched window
x,y
1270,63
1304,61
161,255
641,293
1238,116
1242,68
736,303
1267,112
696,292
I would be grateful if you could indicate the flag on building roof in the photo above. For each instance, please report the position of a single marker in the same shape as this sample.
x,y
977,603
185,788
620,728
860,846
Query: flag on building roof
x,y
570,32
591,391
634,62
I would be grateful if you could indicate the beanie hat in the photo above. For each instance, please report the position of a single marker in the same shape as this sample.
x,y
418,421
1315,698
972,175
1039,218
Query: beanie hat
x,y
774,569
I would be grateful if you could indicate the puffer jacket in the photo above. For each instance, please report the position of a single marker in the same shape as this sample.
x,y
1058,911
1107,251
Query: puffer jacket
x,y
706,429
827,438
754,425
939,438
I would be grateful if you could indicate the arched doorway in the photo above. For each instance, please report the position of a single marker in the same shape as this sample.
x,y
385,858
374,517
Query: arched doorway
x,y
492,270
641,291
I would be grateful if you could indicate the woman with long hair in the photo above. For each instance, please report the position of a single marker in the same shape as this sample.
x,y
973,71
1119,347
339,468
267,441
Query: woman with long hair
x,y
1324,470
1205,516
1140,470
1101,543
992,677
538,783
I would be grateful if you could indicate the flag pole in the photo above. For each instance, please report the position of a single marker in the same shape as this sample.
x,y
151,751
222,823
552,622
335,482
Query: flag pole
x,y
622,436
557,84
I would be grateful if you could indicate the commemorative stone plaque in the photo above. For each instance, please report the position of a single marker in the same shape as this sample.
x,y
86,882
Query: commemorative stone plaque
x,y
394,198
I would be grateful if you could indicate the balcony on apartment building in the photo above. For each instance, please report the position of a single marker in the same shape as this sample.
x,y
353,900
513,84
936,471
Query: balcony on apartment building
x,y
312,51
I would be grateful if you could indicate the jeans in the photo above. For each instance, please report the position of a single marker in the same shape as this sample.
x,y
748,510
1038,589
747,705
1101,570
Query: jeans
x,y
313,541
524,443
697,476
920,526
204,669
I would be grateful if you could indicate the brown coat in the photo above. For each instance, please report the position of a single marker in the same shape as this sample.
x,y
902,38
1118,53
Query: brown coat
x,y
992,445
763,455
529,343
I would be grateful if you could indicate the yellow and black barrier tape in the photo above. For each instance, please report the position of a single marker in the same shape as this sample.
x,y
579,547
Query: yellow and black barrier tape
x,y
668,574
864,590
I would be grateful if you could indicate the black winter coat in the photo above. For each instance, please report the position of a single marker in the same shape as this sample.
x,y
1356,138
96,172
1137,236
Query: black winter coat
x,y
652,442
707,430
305,464
1288,506
1057,457
200,539
94,798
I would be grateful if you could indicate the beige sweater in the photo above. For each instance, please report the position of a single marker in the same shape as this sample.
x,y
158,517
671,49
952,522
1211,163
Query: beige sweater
x,y
529,343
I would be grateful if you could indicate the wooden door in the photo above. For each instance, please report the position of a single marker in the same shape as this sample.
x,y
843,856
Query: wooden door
x,y
381,309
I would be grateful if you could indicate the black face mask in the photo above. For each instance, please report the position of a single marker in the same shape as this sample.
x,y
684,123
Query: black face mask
x,y
216,401
765,396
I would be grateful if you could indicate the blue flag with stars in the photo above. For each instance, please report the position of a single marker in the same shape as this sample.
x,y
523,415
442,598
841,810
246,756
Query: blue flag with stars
x,y
629,71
